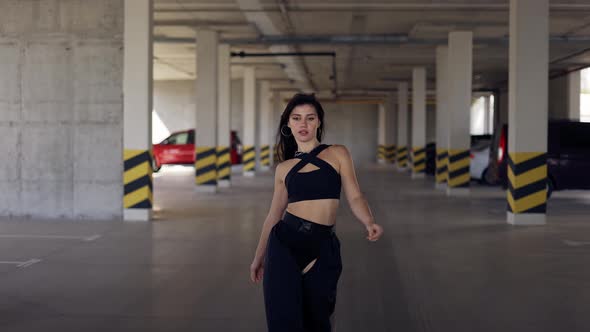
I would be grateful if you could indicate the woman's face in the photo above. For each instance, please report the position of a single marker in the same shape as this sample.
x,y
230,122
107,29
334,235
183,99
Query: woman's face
x,y
304,123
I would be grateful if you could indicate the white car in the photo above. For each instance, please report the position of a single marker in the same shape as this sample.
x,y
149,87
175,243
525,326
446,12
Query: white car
x,y
480,159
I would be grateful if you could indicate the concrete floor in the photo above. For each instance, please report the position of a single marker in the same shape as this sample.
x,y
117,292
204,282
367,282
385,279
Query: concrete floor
x,y
444,264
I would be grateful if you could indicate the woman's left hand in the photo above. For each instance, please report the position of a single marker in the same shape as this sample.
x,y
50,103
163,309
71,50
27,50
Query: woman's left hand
x,y
375,231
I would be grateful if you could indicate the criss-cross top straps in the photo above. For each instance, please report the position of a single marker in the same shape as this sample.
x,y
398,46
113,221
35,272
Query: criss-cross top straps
x,y
309,158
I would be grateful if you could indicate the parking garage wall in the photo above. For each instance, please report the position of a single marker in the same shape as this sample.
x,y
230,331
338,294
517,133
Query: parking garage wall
x,y
501,117
350,124
558,98
558,102
237,106
174,103
61,109
355,126
430,124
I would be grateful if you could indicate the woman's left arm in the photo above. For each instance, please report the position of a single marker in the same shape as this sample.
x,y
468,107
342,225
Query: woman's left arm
x,y
356,200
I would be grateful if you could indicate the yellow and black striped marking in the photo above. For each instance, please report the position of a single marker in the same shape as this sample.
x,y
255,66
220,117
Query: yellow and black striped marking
x,y
442,160
402,156
137,179
381,152
249,158
206,166
265,155
458,168
223,163
418,159
390,153
527,182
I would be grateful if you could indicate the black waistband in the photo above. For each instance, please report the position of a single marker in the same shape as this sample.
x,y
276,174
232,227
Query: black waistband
x,y
304,225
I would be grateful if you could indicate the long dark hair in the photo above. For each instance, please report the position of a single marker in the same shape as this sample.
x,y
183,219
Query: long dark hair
x,y
287,146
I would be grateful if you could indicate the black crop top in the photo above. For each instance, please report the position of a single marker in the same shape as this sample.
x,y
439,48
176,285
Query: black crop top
x,y
322,183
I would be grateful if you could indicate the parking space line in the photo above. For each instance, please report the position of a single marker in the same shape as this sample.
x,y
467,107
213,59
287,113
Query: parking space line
x,y
59,237
22,264
29,262
576,243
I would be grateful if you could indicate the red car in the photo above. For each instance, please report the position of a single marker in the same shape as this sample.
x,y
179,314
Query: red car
x,y
179,149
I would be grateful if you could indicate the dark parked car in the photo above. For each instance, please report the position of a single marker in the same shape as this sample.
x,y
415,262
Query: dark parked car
x,y
568,155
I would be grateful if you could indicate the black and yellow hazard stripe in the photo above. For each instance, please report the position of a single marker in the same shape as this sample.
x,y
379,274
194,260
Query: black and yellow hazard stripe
x,y
418,159
137,179
249,158
223,163
265,155
458,168
527,182
206,166
390,153
442,161
381,152
402,156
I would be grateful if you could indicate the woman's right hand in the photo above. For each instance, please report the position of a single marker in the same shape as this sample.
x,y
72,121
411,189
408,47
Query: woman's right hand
x,y
256,270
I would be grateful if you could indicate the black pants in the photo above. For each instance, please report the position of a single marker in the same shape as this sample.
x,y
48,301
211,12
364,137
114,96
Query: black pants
x,y
297,302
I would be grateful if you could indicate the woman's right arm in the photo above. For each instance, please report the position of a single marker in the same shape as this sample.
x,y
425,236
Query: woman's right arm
x,y
277,208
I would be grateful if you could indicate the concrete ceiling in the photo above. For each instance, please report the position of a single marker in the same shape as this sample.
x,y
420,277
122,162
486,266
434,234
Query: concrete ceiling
x,y
376,42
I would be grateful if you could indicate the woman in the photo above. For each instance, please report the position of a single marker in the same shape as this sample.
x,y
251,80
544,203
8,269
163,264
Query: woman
x,y
298,252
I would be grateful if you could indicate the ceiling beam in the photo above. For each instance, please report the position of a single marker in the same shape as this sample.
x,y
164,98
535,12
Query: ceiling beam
x,y
355,7
200,23
381,39
266,26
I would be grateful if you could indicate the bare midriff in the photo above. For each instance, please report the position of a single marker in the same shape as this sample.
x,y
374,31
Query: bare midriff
x,y
320,211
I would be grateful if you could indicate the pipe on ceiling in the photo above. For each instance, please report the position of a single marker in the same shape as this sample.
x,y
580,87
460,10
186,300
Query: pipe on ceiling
x,y
385,39
365,7
333,77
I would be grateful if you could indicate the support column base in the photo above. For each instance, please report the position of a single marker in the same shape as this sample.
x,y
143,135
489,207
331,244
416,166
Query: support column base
x,y
264,168
401,168
380,161
418,176
441,186
206,189
526,219
137,215
223,183
460,192
249,174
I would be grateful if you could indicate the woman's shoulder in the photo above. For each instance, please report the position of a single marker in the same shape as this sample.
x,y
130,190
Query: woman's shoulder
x,y
284,166
339,150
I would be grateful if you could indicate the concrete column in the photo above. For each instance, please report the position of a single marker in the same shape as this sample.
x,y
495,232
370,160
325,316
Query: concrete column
x,y
460,76
402,126
442,117
390,128
418,122
206,116
265,118
223,117
574,87
381,123
249,155
528,111
137,110
487,119
277,110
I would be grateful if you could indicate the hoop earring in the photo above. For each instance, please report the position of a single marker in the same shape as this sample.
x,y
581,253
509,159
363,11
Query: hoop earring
x,y
282,133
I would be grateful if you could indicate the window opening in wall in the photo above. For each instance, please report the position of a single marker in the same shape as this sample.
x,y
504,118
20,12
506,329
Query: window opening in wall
x,y
159,129
585,95
482,114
